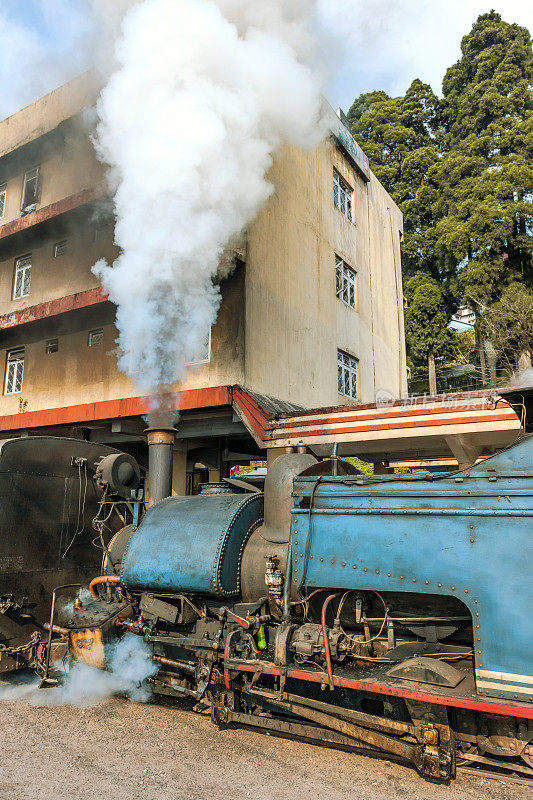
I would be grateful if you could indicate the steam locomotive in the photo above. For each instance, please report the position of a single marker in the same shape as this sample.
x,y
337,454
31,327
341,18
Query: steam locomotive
x,y
51,491
387,614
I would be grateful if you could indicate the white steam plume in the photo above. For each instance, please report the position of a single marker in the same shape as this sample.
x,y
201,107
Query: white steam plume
x,y
129,666
201,94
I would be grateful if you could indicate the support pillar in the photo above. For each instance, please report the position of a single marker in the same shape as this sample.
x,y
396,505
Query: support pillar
x,y
466,453
179,473
272,454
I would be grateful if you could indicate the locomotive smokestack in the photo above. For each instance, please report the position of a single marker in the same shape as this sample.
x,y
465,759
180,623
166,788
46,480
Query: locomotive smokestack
x,y
160,447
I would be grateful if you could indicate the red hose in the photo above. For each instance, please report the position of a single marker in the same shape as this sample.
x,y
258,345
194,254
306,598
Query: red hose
x,y
102,579
326,640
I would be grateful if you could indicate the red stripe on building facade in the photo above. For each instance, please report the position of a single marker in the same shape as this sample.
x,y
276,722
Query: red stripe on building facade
x,y
112,409
52,308
53,210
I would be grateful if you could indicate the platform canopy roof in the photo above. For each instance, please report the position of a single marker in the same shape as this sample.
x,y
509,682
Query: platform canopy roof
x,y
464,425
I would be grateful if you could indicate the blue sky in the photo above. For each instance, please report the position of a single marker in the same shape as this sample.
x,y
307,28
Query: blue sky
x,y
382,44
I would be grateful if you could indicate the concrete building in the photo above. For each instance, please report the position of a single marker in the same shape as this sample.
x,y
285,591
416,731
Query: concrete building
x,y
312,314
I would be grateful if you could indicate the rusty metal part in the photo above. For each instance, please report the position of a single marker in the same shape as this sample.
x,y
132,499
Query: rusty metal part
x,y
137,626
274,582
57,629
370,721
115,550
297,730
171,688
99,580
281,643
45,681
87,645
184,666
160,448
225,613
307,642
426,757
255,552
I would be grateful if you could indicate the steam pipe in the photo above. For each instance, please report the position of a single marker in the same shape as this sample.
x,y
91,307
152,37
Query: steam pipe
x,y
335,459
57,629
160,447
101,579
286,607
185,666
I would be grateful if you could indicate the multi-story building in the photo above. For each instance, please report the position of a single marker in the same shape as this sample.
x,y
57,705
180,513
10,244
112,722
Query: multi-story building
x,y
311,315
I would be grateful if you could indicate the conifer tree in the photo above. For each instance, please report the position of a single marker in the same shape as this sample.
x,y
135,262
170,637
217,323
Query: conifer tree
x,y
485,177
426,324
400,137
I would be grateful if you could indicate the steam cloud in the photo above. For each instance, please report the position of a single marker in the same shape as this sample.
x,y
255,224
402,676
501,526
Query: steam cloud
x,y
200,95
129,667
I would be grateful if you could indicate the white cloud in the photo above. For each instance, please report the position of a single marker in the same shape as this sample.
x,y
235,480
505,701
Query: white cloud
x,y
388,43
372,44
40,51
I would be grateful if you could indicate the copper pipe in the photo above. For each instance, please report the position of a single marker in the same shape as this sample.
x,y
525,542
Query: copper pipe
x,y
325,639
101,579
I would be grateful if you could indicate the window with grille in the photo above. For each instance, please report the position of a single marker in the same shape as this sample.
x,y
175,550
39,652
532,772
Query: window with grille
x,y
60,248
21,283
30,189
96,337
342,195
14,371
203,356
3,195
347,374
346,278
52,346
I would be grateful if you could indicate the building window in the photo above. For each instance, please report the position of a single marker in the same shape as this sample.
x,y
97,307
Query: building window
x,y
203,356
21,283
345,277
30,190
101,230
347,374
342,195
52,346
60,248
14,371
3,195
96,337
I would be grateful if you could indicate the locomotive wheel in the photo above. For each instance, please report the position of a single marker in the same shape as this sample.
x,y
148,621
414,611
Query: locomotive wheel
x,y
527,754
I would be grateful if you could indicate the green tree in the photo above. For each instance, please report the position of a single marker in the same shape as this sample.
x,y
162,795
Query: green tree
x,y
509,326
461,171
485,176
400,137
426,325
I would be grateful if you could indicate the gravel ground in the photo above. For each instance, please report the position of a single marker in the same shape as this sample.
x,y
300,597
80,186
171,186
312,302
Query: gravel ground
x,y
121,750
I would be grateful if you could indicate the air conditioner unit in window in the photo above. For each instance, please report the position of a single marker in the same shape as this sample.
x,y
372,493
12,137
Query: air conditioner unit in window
x,y
28,209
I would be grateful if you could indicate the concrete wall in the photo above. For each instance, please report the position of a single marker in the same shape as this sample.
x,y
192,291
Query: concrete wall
x,y
80,374
294,321
53,277
47,113
67,166
280,323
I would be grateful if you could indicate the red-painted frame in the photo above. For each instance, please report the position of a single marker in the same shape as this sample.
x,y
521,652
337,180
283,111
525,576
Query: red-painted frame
x,y
487,706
